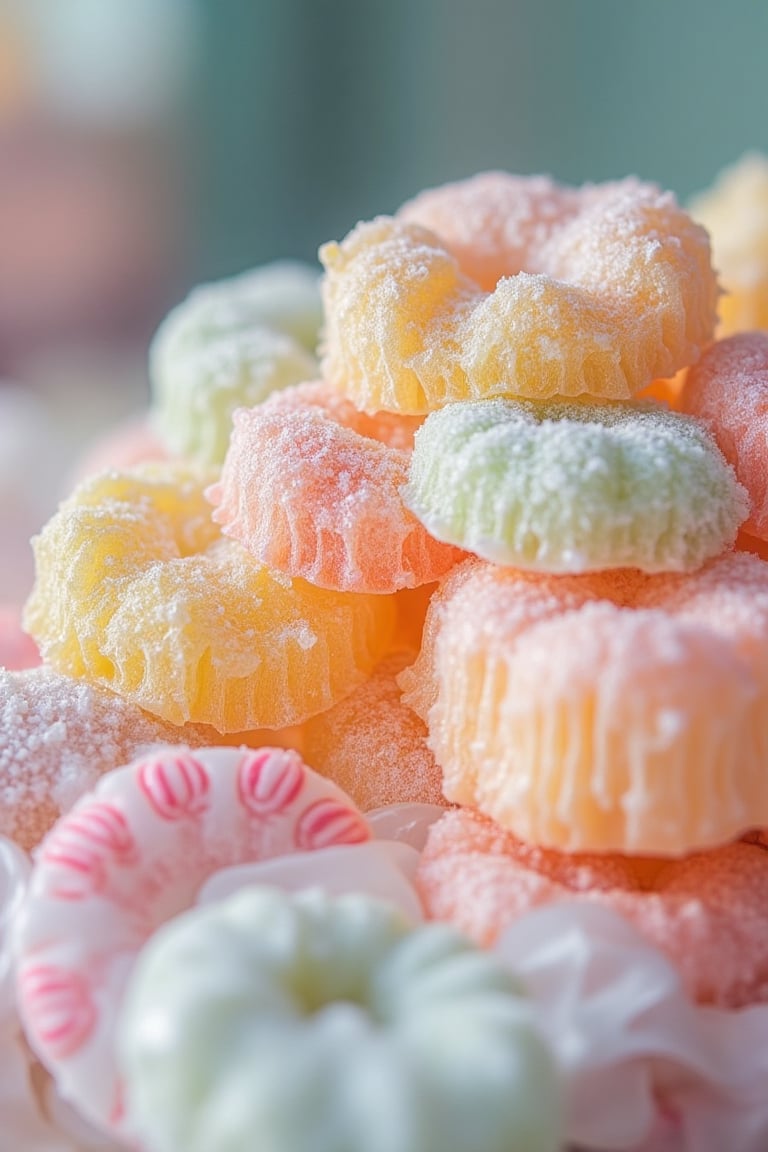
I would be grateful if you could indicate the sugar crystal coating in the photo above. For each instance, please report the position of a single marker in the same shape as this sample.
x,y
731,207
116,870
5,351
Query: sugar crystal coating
x,y
569,487
614,712
706,912
311,487
137,590
622,293
325,1025
728,391
229,344
57,737
373,746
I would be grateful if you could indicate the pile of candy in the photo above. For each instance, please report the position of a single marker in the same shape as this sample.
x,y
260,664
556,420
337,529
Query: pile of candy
x,y
394,778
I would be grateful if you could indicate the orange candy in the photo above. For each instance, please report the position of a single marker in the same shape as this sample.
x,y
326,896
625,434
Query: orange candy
x,y
613,712
612,288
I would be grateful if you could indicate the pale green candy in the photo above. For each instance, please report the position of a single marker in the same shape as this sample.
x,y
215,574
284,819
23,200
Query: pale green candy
x,y
299,1023
572,487
284,296
193,404
229,345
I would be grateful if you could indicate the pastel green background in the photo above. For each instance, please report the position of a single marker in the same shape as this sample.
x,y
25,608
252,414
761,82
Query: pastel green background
x,y
311,114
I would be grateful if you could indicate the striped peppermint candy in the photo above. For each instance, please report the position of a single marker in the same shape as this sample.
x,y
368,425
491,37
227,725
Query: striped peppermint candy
x,y
80,849
57,1008
328,822
176,785
130,856
269,780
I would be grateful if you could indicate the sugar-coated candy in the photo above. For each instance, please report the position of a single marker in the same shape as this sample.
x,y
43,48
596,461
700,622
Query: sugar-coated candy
x,y
229,344
312,488
728,391
735,213
373,746
193,407
611,712
706,913
131,854
621,293
137,590
575,487
307,1024
57,736
283,296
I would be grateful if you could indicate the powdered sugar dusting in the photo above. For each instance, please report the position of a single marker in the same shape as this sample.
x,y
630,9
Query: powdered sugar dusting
x,y
57,736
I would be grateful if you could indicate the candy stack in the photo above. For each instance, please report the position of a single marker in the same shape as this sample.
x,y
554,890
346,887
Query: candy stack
x,y
395,773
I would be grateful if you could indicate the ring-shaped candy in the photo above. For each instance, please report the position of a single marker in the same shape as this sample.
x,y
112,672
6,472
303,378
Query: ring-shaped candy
x,y
569,487
706,912
312,488
612,712
728,391
129,856
231,343
137,590
619,293
303,1023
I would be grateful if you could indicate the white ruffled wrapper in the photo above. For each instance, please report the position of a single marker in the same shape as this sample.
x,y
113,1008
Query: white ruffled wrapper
x,y
643,1066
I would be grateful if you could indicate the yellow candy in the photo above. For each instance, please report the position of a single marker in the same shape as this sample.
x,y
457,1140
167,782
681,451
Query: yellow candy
x,y
620,293
137,590
735,213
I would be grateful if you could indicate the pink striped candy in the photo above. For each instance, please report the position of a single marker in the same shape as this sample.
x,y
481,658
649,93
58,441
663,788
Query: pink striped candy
x,y
129,856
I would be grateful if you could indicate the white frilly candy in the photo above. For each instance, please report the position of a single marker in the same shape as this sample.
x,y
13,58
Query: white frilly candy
x,y
643,1067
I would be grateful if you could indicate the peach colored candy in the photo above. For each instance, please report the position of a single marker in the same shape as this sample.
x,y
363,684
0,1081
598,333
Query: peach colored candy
x,y
728,391
595,301
130,443
129,856
373,746
707,912
57,736
17,649
311,487
611,712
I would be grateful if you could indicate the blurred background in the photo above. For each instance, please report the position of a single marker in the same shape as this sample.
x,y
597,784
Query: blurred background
x,y
146,145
